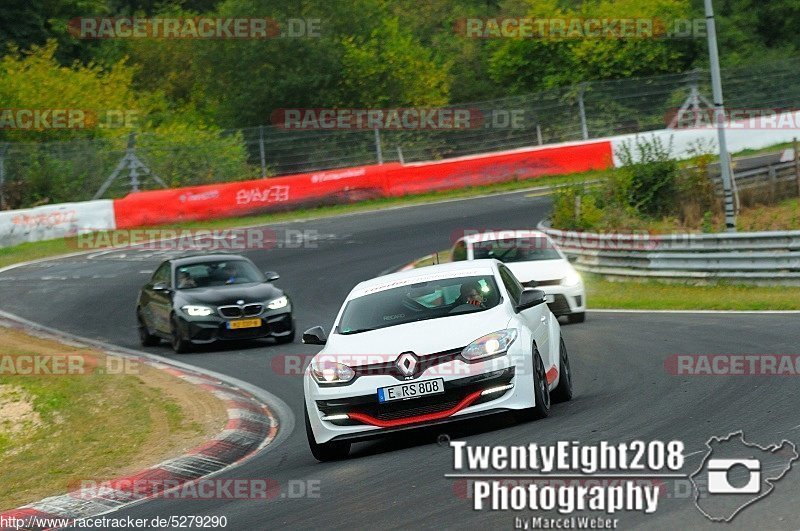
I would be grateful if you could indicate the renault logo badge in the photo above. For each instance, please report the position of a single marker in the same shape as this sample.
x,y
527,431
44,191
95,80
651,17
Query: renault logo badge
x,y
406,363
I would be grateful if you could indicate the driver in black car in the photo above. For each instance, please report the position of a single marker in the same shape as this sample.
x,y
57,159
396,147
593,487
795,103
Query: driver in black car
x,y
185,280
230,273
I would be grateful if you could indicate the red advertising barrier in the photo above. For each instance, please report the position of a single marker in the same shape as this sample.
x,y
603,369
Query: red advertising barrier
x,y
354,184
498,167
235,199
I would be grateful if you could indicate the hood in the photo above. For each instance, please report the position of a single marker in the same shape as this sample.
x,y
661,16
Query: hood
x,y
223,295
423,337
540,270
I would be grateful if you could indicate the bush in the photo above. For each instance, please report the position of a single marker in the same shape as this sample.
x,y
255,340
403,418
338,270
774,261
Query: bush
x,y
648,191
575,208
648,177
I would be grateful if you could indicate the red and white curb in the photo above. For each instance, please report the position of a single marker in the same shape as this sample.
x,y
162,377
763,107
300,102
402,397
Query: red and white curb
x,y
253,423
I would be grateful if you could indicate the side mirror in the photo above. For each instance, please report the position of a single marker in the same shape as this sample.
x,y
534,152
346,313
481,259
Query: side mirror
x,y
315,336
272,276
161,286
531,297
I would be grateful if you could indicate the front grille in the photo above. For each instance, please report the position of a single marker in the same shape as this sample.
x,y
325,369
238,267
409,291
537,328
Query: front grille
x,y
230,311
454,393
433,405
538,283
253,309
234,311
424,363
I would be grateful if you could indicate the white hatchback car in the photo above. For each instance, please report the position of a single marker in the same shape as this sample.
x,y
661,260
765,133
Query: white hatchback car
x,y
536,261
428,346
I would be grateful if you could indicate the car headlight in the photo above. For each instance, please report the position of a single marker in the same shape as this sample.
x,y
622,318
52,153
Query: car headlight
x,y
278,303
494,344
572,279
197,311
331,372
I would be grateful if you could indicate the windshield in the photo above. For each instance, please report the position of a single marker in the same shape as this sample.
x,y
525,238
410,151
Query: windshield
x,y
516,249
217,273
419,302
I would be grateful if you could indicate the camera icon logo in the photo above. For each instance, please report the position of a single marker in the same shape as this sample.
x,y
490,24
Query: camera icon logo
x,y
735,474
721,470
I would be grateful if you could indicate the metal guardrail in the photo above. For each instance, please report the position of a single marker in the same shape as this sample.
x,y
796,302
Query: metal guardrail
x,y
747,257
770,172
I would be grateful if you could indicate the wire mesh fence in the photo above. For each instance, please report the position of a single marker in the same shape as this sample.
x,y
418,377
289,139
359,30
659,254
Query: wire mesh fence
x,y
53,172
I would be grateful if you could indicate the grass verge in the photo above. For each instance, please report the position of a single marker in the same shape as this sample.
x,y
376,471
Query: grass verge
x,y
58,430
654,295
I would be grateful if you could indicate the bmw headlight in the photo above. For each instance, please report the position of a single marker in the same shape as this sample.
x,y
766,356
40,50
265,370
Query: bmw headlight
x,y
197,311
494,344
572,279
331,372
278,303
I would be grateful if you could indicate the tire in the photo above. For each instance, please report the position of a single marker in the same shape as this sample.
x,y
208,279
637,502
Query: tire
x,y
145,337
563,391
541,394
330,451
177,342
576,317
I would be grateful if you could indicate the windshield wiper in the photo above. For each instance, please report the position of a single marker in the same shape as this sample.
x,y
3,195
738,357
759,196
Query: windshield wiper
x,y
357,331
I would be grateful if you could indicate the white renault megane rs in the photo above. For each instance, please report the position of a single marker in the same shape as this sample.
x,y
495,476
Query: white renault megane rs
x,y
432,345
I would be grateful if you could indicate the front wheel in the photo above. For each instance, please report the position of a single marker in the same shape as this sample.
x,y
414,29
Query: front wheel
x,y
563,391
145,337
541,392
178,343
329,451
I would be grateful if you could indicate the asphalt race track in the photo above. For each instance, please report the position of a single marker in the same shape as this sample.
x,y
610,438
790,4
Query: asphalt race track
x,y
623,391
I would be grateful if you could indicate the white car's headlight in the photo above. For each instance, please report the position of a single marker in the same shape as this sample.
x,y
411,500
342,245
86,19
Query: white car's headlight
x,y
278,303
493,344
331,372
197,311
572,279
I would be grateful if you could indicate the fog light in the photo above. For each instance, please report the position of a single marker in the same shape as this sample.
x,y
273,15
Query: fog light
x,y
499,389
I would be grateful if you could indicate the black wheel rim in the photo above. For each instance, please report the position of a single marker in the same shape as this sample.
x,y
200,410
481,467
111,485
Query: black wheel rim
x,y
566,373
542,382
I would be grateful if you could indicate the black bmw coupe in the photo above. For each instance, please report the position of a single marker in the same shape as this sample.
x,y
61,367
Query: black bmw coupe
x,y
204,298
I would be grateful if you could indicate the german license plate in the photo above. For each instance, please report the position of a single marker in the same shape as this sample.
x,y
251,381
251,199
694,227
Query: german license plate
x,y
244,323
411,390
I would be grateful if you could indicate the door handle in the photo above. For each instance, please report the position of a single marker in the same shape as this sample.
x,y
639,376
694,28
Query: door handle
x,y
543,319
